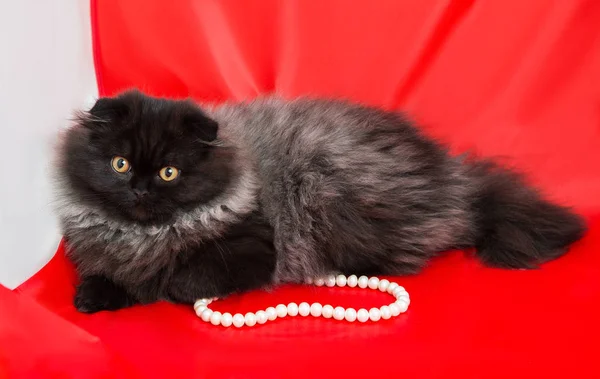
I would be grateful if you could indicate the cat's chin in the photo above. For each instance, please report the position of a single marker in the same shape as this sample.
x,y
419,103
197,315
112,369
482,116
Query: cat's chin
x,y
141,215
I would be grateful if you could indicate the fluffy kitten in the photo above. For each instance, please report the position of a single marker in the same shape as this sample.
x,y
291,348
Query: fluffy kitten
x,y
161,199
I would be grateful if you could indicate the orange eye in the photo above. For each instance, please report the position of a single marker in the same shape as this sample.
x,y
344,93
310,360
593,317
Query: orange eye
x,y
168,173
120,164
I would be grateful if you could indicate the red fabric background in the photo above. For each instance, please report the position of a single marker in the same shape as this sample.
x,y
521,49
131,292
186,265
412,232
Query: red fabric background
x,y
515,79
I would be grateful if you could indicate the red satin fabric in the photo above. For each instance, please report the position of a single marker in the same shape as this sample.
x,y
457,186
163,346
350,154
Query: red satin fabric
x,y
515,79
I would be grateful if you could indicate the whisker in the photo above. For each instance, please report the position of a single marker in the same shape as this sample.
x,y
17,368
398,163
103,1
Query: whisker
x,y
221,251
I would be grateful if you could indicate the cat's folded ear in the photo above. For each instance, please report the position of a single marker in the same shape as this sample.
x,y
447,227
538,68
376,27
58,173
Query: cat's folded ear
x,y
201,126
108,109
104,114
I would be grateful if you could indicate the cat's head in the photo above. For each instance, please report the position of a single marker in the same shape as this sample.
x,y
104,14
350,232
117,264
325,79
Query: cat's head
x,y
142,159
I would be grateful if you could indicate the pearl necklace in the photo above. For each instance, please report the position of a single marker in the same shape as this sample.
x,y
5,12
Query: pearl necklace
x,y
315,309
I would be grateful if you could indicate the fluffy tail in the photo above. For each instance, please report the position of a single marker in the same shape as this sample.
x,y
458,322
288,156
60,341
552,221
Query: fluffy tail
x,y
516,227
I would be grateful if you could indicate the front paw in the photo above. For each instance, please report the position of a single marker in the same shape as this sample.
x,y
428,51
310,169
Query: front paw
x,y
97,293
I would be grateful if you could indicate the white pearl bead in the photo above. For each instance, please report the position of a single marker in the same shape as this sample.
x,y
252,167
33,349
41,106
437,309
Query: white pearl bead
x,y
215,318
374,314
316,309
250,319
199,303
271,313
339,313
352,281
363,281
362,315
281,310
238,320
292,309
350,315
383,285
403,305
206,315
398,291
395,309
327,311
330,281
226,319
261,317
199,310
304,309
373,283
341,280
386,313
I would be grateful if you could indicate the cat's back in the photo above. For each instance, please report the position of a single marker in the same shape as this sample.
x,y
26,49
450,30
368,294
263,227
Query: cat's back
x,y
300,129
274,118
330,146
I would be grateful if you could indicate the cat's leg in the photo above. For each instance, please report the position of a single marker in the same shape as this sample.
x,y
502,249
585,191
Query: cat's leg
x,y
298,258
320,231
98,293
303,229
221,267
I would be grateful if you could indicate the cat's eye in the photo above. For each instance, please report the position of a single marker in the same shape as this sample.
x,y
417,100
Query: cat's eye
x,y
168,173
120,164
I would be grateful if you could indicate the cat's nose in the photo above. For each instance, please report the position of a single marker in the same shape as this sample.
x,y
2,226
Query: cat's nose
x,y
140,194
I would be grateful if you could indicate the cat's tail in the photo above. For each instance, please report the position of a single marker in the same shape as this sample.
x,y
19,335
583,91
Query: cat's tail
x,y
515,226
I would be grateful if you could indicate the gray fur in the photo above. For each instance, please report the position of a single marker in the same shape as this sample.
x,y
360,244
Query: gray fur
x,y
345,188
134,253
319,168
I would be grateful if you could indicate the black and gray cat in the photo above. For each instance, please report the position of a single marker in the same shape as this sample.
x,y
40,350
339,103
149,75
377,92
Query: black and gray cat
x,y
162,199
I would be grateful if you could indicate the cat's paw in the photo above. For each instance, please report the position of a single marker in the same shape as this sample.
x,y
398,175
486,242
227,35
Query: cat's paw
x,y
96,293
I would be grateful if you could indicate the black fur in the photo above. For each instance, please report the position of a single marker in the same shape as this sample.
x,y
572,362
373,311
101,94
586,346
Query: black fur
x,y
241,259
173,136
97,293
274,191
516,228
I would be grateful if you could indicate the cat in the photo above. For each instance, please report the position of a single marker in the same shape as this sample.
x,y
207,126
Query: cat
x,y
169,200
